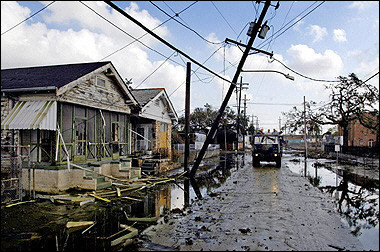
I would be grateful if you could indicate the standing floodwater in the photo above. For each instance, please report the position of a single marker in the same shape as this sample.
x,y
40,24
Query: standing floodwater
x,y
355,190
42,224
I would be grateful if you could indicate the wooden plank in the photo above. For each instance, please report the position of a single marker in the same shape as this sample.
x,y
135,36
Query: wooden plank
x,y
19,203
143,219
132,233
72,224
126,197
106,200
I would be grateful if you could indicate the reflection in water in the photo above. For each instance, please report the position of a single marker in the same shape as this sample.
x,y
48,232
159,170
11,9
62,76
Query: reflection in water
x,y
357,197
359,204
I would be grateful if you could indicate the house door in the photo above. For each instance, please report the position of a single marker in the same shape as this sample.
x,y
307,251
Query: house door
x,y
80,139
144,137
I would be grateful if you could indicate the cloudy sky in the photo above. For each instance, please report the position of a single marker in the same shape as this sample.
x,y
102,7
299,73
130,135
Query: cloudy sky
x,y
314,41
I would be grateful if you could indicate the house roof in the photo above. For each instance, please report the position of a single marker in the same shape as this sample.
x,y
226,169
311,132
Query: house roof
x,y
59,78
148,95
41,77
143,96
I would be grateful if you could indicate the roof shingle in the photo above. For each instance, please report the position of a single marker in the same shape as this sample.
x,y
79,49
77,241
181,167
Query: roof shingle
x,y
45,76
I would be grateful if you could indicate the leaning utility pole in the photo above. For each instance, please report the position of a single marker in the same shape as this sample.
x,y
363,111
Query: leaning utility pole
x,y
238,93
212,131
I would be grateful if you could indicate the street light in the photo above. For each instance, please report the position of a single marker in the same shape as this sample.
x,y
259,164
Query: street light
x,y
274,71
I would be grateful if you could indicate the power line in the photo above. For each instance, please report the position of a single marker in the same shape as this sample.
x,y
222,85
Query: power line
x,y
136,39
224,18
211,42
177,14
162,40
302,74
370,77
266,41
194,72
27,18
154,71
171,17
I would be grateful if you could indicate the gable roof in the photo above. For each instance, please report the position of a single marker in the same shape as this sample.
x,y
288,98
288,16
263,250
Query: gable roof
x,y
145,96
59,78
45,76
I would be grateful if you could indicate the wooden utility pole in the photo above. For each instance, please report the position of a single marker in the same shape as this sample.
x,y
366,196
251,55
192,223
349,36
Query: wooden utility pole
x,y
187,131
245,110
304,122
305,137
187,117
212,131
238,91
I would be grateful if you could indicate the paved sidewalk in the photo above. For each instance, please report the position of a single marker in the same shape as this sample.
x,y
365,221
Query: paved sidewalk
x,y
263,209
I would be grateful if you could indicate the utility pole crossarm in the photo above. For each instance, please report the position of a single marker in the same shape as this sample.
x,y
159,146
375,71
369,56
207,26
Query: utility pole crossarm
x,y
212,131
241,44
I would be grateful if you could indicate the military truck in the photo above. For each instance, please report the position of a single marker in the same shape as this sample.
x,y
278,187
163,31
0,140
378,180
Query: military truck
x,y
267,147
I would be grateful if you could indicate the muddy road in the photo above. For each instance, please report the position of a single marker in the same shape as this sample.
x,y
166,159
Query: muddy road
x,y
231,205
263,208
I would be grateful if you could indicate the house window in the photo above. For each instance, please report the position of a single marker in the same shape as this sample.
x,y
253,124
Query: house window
x,y
140,132
361,142
100,82
164,127
371,143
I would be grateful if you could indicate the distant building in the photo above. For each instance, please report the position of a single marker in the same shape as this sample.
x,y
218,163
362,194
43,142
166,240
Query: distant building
x,y
360,136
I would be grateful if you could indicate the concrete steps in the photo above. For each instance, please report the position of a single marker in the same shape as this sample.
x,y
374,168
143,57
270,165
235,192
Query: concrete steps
x,y
149,166
100,180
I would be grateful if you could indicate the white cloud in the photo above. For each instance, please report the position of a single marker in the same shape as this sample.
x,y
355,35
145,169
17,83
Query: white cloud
x,y
362,5
306,61
91,39
339,35
318,32
297,26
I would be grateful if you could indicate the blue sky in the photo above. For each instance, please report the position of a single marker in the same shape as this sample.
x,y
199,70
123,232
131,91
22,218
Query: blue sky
x,y
335,39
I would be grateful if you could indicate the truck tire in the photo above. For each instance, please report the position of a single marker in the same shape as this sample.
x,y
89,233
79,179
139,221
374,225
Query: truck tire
x,y
278,163
255,162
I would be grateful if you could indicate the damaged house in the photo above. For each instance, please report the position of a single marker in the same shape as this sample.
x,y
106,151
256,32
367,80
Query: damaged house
x,y
74,113
152,128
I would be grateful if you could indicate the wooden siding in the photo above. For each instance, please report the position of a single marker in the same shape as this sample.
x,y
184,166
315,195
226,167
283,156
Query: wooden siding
x,y
89,94
157,110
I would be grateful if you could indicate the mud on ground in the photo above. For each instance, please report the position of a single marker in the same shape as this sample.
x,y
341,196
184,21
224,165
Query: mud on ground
x,y
263,208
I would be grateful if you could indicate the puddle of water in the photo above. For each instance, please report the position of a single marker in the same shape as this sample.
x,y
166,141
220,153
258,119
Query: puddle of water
x,y
357,200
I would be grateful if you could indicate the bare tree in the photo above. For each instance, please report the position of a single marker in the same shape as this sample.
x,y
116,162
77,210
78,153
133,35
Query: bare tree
x,y
350,99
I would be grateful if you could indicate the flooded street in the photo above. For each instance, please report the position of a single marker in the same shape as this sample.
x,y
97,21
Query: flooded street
x,y
232,205
358,202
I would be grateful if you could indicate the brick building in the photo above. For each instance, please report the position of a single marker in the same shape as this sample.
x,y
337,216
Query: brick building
x,y
360,136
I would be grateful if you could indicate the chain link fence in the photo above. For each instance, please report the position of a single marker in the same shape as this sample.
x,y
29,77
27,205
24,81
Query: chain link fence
x,y
13,159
